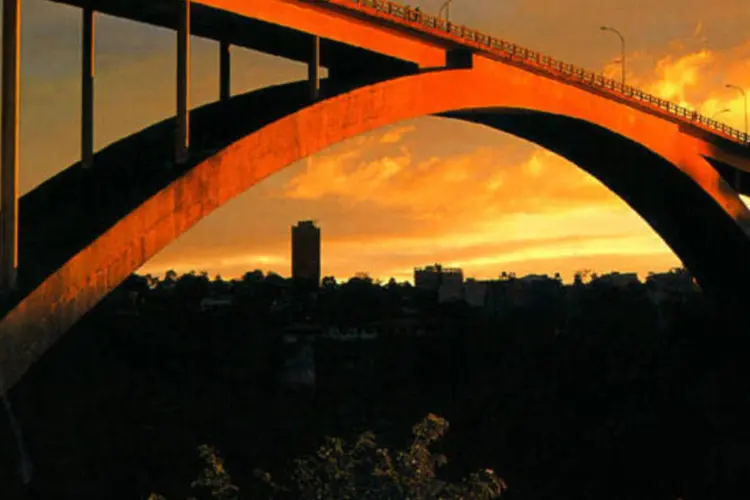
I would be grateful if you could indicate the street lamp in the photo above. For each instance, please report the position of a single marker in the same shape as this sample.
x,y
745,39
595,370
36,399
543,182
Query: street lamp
x,y
725,110
447,8
622,39
744,95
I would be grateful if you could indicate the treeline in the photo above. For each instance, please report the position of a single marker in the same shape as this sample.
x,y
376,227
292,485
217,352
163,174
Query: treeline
x,y
596,393
272,299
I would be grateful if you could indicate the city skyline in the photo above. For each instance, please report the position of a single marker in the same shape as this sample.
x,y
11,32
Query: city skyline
x,y
382,196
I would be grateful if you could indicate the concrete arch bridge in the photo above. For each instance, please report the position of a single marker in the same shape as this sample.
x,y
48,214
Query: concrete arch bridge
x,y
72,240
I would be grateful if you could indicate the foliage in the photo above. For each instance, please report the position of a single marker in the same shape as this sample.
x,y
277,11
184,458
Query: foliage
x,y
214,481
364,470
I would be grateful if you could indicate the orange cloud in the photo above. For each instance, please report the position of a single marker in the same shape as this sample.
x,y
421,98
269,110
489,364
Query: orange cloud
x,y
478,183
395,135
676,77
693,76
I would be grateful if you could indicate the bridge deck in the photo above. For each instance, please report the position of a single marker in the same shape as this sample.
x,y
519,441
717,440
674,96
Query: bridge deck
x,y
284,29
261,25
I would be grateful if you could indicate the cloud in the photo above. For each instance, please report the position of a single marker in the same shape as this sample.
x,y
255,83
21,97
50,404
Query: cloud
x,y
677,77
395,135
693,75
472,185
232,265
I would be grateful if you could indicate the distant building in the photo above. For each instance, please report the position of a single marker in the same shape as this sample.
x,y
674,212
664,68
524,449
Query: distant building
x,y
618,280
533,278
475,292
350,334
402,326
432,277
216,303
427,278
673,284
675,281
451,286
306,255
298,359
534,290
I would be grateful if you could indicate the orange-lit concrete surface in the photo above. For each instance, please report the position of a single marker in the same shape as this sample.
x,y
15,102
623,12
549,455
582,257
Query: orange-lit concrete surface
x,y
318,19
652,163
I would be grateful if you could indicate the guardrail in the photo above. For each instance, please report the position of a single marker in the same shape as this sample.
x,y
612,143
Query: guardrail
x,y
523,57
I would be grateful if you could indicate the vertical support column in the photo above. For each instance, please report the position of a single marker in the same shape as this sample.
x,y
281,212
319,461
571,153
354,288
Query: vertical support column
x,y
182,139
313,69
87,89
10,124
225,68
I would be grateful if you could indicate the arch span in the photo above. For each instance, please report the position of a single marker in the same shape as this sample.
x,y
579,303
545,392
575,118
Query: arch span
x,y
648,161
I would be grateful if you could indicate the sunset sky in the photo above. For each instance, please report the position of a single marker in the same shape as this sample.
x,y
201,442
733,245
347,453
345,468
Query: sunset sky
x,y
423,191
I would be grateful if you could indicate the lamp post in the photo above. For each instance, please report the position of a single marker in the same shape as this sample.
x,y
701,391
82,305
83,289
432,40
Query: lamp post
x,y
744,95
447,8
622,40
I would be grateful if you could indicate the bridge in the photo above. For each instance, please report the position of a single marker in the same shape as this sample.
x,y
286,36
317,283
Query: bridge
x,y
77,236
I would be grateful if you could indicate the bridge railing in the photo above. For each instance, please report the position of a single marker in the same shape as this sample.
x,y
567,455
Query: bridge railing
x,y
530,59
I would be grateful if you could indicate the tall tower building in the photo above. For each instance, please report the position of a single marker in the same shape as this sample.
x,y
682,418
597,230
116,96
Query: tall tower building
x,y
306,255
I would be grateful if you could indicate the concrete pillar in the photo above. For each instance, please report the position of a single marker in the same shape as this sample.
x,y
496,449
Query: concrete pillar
x,y
87,89
182,138
225,71
313,69
10,124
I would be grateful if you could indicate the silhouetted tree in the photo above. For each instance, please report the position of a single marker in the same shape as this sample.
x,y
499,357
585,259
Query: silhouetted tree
x,y
170,277
329,283
365,470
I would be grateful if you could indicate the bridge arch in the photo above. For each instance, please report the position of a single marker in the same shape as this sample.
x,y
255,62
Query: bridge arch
x,y
650,163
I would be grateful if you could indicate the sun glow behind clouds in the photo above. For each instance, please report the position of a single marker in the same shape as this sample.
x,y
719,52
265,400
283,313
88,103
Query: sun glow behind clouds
x,y
219,265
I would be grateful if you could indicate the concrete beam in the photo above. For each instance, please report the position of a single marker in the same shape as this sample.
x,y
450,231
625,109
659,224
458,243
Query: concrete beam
x,y
460,58
87,89
182,138
225,71
313,69
10,133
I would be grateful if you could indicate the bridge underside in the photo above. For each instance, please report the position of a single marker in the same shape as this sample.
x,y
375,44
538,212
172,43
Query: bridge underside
x,y
341,57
